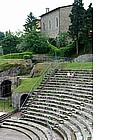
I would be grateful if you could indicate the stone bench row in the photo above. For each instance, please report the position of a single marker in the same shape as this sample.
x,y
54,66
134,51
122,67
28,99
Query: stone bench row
x,y
73,90
45,126
63,95
66,110
65,100
56,76
62,111
3,117
72,103
77,71
65,106
66,79
77,96
90,73
45,106
84,99
40,130
67,91
23,129
67,122
69,112
50,123
69,84
57,85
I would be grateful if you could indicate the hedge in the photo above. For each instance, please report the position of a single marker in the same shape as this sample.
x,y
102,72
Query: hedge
x,y
17,55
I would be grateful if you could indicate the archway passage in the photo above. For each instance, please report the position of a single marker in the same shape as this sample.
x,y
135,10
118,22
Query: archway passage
x,y
23,99
6,88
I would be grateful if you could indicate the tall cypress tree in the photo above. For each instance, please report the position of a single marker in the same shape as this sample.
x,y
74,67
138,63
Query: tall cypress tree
x,y
89,21
77,17
30,23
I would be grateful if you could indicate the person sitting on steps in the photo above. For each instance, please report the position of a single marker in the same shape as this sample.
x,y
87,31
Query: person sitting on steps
x,y
68,74
72,74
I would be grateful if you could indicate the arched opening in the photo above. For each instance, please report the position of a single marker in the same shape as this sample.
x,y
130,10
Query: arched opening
x,y
6,88
23,99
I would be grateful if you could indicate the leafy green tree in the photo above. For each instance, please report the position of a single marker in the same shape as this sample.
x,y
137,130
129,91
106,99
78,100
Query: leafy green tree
x,y
62,40
78,23
35,42
2,36
30,23
21,46
9,43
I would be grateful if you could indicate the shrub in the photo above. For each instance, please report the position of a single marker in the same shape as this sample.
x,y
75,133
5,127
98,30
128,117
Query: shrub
x,y
53,50
67,51
26,57
16,55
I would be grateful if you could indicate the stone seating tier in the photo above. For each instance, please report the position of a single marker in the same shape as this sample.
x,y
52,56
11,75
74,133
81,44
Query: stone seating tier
x,y
64,107
27,131
60,107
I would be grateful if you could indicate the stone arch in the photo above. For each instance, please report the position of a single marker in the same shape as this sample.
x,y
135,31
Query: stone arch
x,y
23,98
5,88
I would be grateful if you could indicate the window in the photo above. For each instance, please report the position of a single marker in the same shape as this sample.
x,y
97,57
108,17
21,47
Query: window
x,y
49,24
56,22
43,26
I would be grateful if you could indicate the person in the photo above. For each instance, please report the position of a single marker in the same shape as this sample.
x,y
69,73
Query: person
x,y
72,75
68,74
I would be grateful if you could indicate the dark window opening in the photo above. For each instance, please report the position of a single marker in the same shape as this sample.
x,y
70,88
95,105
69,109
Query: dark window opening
x,y
23,99
6,88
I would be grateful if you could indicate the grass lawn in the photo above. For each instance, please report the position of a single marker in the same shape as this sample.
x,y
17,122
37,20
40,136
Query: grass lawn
x,y
9,63
26,85
6,105
79,65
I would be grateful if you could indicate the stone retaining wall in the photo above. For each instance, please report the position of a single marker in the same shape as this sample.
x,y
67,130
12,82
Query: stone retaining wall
x,y
84,58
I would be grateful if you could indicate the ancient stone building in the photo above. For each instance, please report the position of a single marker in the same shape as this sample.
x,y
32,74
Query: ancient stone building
x,y
55,21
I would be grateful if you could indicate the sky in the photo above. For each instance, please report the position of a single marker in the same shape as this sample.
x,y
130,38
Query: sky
x,y
13,13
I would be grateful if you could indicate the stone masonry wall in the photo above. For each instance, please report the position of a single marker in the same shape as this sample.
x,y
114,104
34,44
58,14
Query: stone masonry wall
x,y
63,20
84,58
50,16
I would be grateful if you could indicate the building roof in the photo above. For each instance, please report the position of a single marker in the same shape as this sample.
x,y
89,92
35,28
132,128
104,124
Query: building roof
x,y
55,10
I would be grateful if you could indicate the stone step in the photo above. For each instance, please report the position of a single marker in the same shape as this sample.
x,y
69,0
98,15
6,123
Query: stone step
x,y
32,126
27,132
57,105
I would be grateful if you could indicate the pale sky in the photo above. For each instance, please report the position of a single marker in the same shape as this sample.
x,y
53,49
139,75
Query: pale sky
x,y
13,13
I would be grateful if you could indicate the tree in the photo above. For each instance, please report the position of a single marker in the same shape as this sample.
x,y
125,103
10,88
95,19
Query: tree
x,y
78,23
30,23
35,42
9,43
2,36
89,21
62,40
21,46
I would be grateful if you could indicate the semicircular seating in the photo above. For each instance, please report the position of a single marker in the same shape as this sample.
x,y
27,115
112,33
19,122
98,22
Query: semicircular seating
x,y
60,108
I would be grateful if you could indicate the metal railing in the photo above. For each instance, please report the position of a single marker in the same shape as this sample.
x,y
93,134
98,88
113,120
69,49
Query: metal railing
x,y
51,69
35,85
